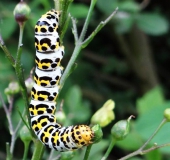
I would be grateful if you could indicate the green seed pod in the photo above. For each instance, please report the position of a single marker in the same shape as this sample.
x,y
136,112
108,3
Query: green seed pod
x,y
25,134
105,114
21,12
121,129
98,133
167,114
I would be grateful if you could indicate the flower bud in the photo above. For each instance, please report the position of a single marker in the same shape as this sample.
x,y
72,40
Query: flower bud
x,y
29,84
13,88
104,115
21,12
167,114
98,133
25,134
121,129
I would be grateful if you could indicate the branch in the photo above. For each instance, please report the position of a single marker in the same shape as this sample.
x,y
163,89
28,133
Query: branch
x,y
99,27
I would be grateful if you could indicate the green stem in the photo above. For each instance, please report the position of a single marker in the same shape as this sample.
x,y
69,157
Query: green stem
x,y
87,152
98,28
83,32
21,26
38,151
112,143
70,64
156,131
26,148
20,74
140,150
77,48
9,155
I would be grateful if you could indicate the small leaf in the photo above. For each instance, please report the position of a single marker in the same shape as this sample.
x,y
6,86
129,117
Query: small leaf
x,y
130,6
108,7
152,23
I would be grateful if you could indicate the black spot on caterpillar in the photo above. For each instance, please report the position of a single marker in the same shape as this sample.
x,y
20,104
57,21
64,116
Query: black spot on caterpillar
x,y
48,72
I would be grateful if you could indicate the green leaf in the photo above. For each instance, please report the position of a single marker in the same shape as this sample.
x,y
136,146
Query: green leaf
x,y
156,155
108,7
78,10
130,6
152,23
78,109
151,99
132,138
73,98
123,22
147,123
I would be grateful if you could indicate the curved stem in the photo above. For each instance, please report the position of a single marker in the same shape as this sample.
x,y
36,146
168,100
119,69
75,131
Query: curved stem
x,y
112,143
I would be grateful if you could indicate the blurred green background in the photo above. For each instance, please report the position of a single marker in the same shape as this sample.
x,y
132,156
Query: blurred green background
x,y
128,61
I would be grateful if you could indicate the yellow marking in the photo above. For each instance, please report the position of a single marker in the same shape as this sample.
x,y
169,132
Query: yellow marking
x,y
40,65
38,82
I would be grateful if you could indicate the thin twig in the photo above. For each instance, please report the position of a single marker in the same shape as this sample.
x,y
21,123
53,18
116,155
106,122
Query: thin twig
x,y
85,26
8,115
98,28
140,150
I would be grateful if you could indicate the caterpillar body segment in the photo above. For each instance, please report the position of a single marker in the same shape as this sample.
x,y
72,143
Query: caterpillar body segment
x,y
41,107
51,60
48,72
49,78
43,93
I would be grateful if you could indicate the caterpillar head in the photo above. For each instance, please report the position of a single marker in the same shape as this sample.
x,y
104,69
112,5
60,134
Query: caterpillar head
x,y
83,135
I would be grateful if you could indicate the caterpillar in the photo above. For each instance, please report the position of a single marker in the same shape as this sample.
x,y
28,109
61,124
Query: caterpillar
x,y
48,72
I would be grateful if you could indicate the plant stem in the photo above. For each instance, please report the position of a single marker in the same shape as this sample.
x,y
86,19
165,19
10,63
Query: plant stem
x,y
38,151
20,74
83,32
140,150
87,152
26,148
112,143
9,155
21,26
70,64
77,48
98,28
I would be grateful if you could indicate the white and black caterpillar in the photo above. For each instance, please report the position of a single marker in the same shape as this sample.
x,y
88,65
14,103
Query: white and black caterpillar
x,y
48,72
